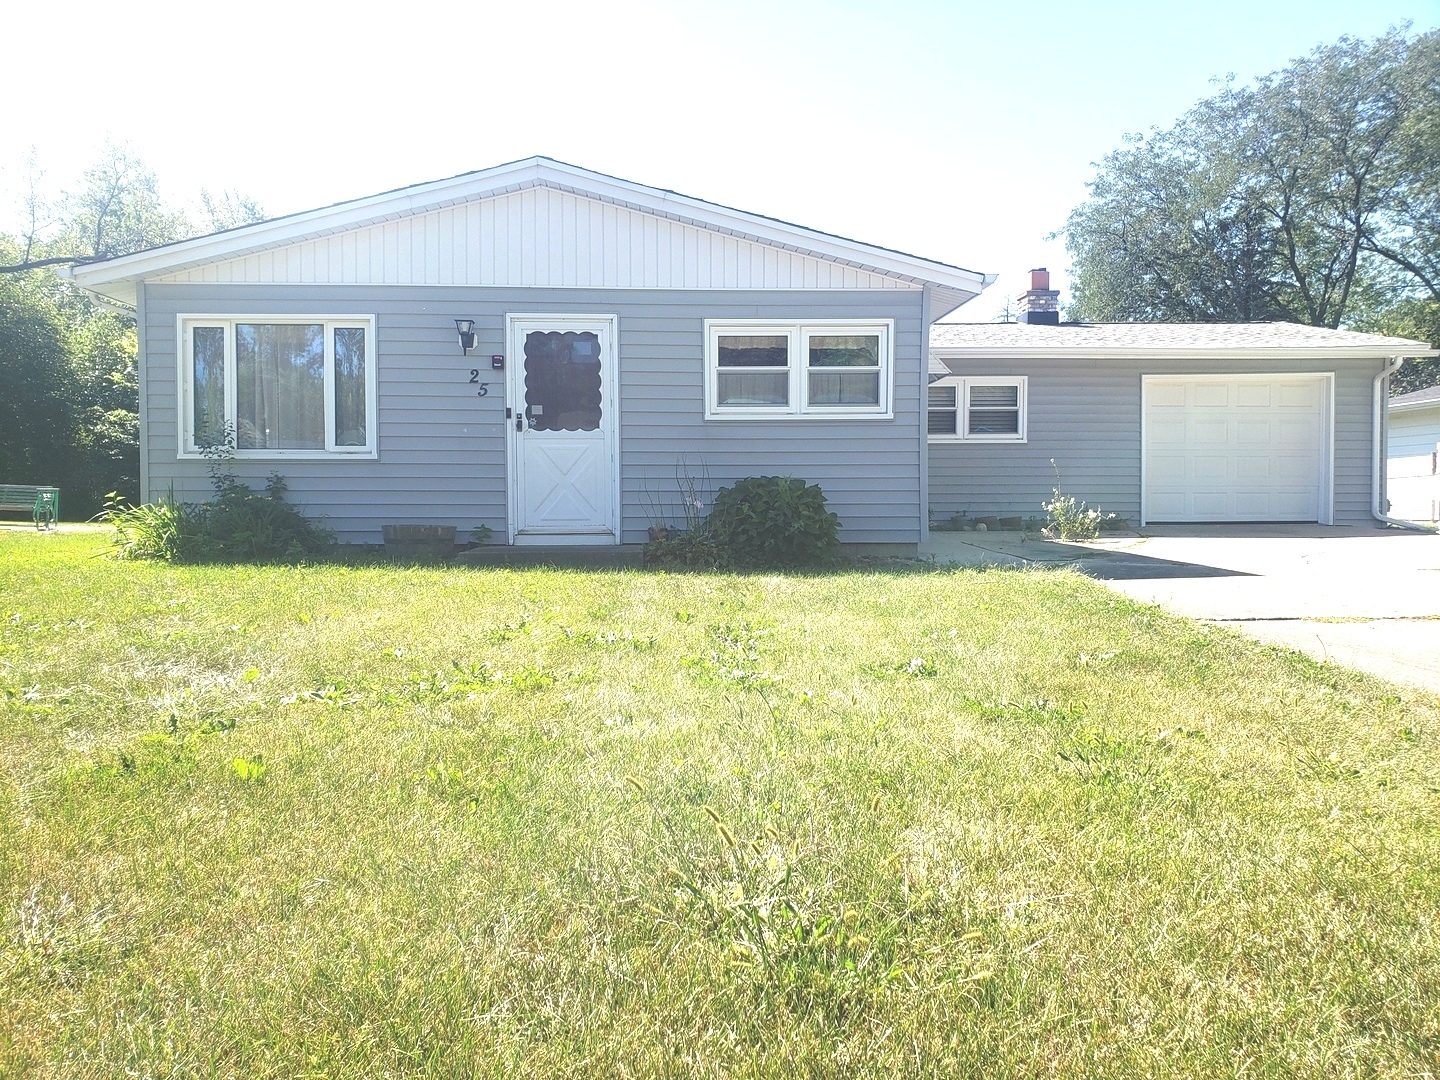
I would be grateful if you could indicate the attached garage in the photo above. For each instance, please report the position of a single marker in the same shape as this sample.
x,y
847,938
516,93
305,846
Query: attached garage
x,y
1237,448
1158,423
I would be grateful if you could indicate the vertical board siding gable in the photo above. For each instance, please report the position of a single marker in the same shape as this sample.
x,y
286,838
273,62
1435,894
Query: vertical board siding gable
x,y
539,237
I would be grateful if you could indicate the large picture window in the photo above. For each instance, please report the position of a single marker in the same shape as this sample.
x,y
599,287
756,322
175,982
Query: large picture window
x,y
978,409
284,385
775,370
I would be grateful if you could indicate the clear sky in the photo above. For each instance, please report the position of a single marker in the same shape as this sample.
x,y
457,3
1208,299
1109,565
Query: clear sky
x,y
960,131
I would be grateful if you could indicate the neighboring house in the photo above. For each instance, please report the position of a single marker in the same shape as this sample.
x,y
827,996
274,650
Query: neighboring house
x,y
618,331
1159,422
539,349
1414,478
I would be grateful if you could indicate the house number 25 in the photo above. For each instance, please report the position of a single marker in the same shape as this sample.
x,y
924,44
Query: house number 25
x,y
475,378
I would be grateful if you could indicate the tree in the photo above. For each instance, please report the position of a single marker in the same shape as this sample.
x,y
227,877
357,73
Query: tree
x,y
68,387
1312,196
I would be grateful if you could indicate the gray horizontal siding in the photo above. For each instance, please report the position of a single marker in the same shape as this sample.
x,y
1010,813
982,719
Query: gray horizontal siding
x,y
1414,434
1085,414
442,448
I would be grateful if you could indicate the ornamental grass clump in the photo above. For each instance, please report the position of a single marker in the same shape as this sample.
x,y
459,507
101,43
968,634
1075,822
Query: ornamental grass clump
x,y
238,524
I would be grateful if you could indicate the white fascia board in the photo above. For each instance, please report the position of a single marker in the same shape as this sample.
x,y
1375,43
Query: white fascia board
x,y
503,179
943,352
1414,406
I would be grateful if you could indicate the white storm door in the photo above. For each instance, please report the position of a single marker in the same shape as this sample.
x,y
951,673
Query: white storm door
x,y
1237,448
563,427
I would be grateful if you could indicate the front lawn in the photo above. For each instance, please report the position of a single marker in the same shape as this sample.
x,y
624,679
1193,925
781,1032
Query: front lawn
x,y
362,821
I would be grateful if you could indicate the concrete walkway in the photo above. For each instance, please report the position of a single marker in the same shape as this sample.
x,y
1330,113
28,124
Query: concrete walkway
x,y
1362,597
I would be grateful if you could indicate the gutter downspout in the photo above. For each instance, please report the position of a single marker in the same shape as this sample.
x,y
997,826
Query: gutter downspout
x,y
1377,470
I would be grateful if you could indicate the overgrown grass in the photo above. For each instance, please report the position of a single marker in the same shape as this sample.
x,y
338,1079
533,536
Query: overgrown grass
x,y
376,821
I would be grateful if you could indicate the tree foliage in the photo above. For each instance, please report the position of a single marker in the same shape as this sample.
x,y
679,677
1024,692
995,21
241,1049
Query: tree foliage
x,y
68,386
1311,196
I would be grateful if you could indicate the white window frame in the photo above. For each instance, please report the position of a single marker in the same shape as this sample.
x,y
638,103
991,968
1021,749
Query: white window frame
x,y
963,385
185,342
798,333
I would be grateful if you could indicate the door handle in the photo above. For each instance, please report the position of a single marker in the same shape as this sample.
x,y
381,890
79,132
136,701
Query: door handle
x,y
519,422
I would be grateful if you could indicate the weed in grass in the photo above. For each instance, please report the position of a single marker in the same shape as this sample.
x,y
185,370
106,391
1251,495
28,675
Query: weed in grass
x,y
609,639
450,783
736,657
250,768
917,667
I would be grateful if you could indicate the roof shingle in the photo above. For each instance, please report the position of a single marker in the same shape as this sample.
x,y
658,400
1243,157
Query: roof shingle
x,y
1163,337
1429,396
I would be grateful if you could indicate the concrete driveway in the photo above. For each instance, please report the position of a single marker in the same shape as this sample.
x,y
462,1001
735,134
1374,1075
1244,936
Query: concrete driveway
x,y
1365,598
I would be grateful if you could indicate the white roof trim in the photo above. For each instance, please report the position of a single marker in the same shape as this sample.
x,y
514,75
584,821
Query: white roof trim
x,y
1415,406
104,276
1247,352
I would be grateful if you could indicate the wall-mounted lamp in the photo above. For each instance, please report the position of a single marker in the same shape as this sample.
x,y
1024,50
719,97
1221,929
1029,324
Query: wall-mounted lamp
x,y
466,329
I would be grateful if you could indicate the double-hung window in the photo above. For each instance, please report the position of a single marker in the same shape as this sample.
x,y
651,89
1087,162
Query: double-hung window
x,y
989,409
785,370
282,386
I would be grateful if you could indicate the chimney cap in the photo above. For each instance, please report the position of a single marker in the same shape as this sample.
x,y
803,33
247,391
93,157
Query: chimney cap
x,y
1039,279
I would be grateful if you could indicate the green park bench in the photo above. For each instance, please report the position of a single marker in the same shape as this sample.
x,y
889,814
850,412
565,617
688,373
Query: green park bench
x,y
41,503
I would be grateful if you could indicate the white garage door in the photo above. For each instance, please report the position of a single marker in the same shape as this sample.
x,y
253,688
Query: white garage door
x,y
1237,448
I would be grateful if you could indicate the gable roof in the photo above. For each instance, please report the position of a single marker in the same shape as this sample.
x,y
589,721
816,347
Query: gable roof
x,y
117,278
1416,399
1187,340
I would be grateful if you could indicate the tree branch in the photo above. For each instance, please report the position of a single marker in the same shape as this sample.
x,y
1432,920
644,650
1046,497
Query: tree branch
x,y
37,264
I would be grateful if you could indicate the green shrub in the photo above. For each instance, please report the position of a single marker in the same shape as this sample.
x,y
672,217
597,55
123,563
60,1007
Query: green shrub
x,y
238,524
772,521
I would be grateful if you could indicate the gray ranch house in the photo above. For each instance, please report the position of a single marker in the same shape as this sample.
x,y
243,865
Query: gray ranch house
x,y
538,349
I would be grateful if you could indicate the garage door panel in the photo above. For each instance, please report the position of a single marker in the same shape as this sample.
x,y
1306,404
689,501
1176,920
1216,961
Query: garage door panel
x,y
1255,505
1254,432
1210,433
1298,395
1254,467
1170,507
1210,395
1253,395
1169,468
1210,468
1293,470
1297,434
1167,396
1209,505
1238,449
1291,504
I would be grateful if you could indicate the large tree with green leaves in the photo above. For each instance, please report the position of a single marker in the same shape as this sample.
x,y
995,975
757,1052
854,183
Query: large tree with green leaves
x,y
1311,196
68,389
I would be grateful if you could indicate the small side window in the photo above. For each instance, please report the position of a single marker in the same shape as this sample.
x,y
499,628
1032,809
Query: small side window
x,y
992,409
978,409
943,410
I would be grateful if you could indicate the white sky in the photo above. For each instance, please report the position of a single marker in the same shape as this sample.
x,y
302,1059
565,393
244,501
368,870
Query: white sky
x,y
958,131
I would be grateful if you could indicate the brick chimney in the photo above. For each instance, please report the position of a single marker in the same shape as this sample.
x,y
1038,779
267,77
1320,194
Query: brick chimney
x,y
1042,303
